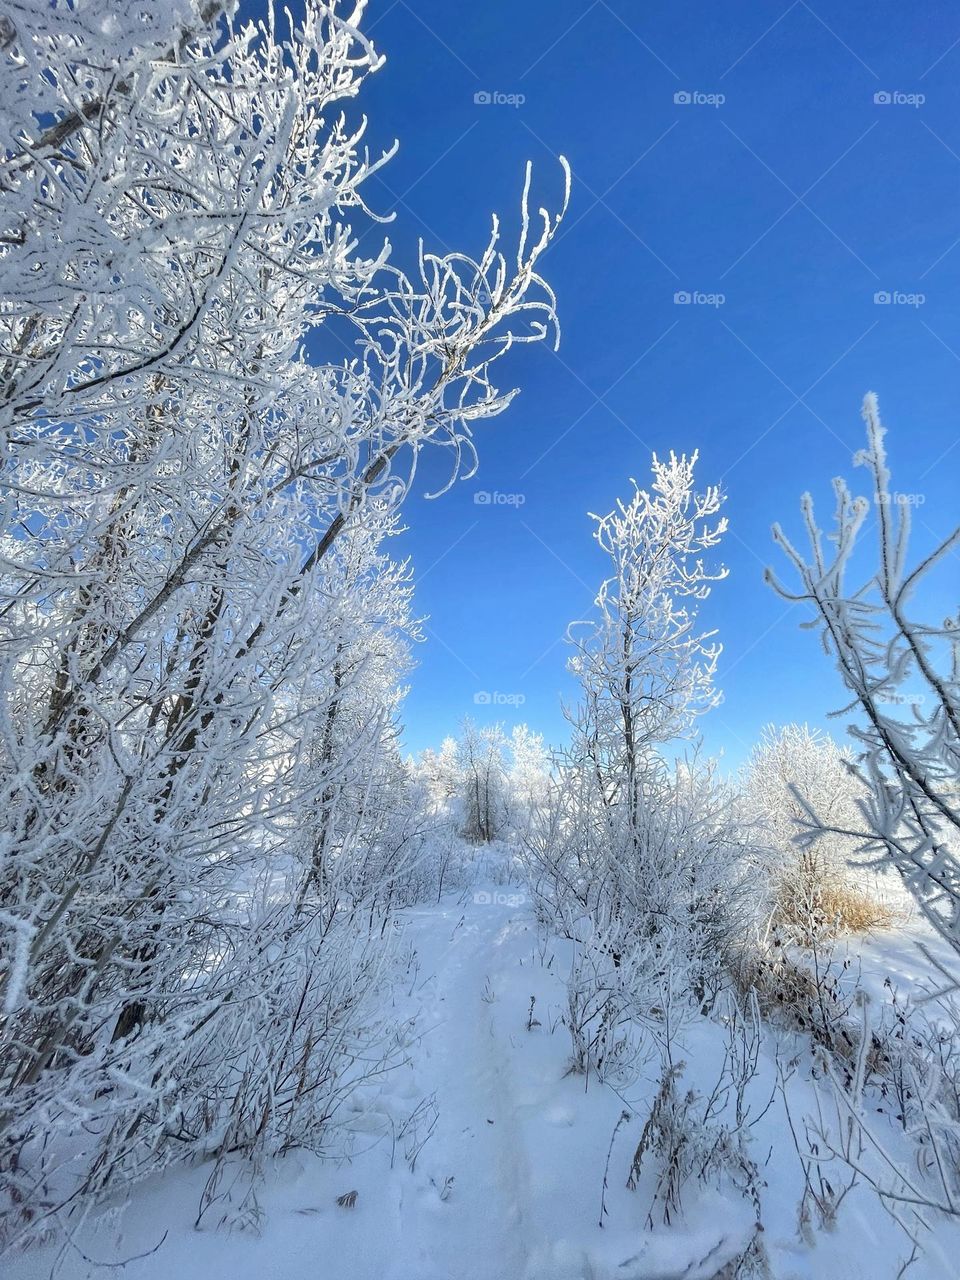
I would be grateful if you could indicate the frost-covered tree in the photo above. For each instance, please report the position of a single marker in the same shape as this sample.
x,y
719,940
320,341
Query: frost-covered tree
x,y
807,888
438,773
481,760
201,628
485,785
645,669
527,779
903,677
633,858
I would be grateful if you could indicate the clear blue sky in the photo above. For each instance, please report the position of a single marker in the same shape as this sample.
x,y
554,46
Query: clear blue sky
x,y
798,198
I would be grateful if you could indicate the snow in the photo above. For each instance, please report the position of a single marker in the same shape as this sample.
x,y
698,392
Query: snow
x,y
507,1181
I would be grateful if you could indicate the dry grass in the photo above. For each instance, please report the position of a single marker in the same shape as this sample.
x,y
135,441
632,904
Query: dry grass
x,y
801,998
831,908
855,911
797,973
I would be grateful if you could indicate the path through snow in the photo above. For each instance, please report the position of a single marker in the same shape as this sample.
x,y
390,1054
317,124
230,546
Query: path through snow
x,y
471,953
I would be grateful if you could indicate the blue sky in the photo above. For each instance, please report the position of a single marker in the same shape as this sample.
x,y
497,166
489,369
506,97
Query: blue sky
x,y
798,198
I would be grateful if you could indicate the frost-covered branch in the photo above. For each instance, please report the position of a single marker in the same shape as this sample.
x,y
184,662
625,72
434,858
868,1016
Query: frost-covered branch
x,y
903,675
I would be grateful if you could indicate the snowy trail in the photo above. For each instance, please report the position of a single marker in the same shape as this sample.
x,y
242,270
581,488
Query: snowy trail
x,y
469,953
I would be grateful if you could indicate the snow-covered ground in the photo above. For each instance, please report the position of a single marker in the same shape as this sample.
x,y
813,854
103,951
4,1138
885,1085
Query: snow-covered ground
x,y
499,1175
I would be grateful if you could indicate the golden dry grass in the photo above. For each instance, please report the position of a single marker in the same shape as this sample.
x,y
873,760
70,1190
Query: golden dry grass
x,y
854,911
831,909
